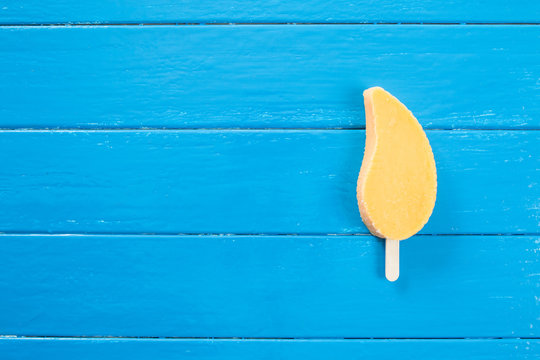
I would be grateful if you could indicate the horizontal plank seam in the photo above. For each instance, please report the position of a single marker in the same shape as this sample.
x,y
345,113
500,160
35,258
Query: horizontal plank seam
x,y
188,23
233,129
233,338
299,235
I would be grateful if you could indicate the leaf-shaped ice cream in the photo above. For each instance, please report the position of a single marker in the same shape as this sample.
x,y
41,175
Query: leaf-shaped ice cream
x,y
397,185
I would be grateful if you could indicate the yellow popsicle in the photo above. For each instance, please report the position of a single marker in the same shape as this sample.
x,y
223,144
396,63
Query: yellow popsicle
x,y
397,185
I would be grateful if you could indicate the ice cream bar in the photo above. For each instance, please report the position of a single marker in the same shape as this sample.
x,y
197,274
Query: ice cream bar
x,y
397,185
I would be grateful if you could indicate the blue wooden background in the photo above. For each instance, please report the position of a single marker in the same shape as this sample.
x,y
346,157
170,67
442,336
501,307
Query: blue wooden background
x,y
177,179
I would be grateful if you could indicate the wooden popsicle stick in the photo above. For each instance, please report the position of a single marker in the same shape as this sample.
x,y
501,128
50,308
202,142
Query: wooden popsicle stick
x,y
391,267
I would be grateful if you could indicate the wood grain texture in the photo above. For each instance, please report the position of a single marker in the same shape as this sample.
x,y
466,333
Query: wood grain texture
x,y
250,182
33,11
265,286
266,76
165,349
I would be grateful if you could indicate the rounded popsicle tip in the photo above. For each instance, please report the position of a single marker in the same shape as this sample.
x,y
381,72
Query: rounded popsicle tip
x,y
392,276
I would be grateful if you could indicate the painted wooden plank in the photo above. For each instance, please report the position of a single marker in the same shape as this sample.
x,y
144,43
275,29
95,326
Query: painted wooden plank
x,y
61,11
164,349
267,286
266,76
250,182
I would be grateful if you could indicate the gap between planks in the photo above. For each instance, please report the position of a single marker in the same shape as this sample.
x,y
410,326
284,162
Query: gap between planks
x,y
233,338
232,129
137,23
224,235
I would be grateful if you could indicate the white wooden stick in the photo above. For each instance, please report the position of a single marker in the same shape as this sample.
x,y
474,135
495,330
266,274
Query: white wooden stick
x,y
392,259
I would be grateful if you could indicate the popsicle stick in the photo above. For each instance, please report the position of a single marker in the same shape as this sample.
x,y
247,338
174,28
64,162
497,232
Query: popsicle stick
x,y
392,259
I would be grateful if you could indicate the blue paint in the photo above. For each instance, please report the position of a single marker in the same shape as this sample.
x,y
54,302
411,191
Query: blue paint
x,y
250,182
266,286
266,76
290,183
208,11
165,349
